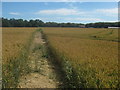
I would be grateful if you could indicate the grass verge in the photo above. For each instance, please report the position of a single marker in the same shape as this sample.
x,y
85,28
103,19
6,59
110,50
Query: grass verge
x,y
15,67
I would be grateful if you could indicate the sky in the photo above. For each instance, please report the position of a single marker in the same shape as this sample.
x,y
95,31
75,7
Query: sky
x,y
75,12
60,0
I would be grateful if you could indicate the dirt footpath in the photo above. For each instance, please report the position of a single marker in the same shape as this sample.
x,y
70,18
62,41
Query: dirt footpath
x,y
42,72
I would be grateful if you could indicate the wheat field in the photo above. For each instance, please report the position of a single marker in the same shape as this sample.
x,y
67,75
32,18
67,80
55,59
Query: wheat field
x,y
91,52
88,56
15,46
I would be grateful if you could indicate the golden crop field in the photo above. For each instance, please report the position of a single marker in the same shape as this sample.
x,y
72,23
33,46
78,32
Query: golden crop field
x,y
91,52
15,44
88,56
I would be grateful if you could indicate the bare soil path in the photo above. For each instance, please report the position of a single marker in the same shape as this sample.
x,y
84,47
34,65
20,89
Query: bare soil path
x,y
42,72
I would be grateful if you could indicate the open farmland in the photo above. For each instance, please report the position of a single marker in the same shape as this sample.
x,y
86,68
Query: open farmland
x,y
25,63
83,57
88,56
63,44
15,47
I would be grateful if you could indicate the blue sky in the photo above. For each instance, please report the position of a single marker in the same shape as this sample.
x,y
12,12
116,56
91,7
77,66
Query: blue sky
x,y
76,12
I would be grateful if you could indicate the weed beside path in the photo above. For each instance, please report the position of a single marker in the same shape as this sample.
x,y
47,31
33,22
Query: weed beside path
x,y
41,71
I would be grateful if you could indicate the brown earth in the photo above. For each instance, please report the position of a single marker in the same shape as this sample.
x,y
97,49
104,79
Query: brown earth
x,y
42,72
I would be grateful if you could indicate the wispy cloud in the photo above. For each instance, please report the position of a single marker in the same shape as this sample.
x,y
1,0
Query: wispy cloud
x,y
68,19
85,19
14,13
75,11
79,15
61,11
72,5
108,11
111,12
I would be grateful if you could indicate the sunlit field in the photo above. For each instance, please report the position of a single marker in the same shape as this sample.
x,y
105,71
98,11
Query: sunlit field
x,y
89,56
15,46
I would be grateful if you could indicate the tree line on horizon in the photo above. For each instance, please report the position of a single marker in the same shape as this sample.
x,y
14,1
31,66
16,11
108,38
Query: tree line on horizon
x,y
39,23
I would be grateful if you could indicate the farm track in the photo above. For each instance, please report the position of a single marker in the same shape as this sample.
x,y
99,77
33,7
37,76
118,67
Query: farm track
x,y
42,72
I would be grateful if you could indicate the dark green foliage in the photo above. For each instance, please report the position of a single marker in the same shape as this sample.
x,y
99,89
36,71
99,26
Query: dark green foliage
x,y
39,23
103,24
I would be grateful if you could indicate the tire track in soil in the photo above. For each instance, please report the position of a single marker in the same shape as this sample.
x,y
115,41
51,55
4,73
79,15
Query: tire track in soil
x,y
42,72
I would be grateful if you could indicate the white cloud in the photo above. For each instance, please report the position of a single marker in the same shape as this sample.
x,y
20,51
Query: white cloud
x,y
14,13
112,12
61,11
68,19
72,5
74,19
85,19
108,11
65,15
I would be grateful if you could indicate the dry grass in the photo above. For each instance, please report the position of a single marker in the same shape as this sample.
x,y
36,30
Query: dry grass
x,y
92,53
15,48
14,39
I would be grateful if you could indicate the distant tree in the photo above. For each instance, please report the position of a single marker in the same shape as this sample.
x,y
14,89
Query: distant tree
x,y
5,23
39,23
102,24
